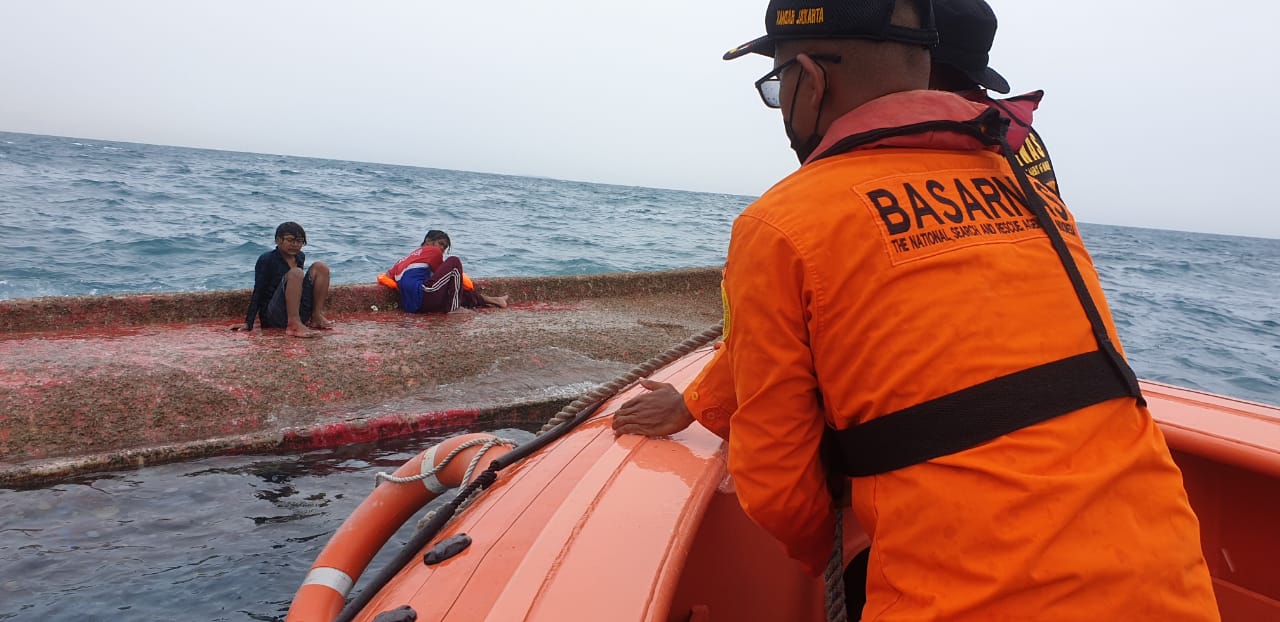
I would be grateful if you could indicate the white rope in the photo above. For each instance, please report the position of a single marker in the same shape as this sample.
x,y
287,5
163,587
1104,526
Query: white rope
x,y
487,443
834,575
611,388
643,370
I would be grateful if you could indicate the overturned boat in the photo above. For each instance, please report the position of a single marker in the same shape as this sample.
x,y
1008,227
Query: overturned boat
x,y
93,383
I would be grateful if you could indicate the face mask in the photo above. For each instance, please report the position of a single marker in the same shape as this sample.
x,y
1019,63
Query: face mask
x,y
805,147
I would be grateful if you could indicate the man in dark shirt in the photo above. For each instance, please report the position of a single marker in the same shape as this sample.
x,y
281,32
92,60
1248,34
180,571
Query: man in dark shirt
x,y
283,295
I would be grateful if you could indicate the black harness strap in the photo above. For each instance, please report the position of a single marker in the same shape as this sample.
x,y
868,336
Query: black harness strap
x,y
972,416
969,417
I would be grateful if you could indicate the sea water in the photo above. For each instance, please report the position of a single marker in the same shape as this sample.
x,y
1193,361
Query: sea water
x,y
90,217
230,538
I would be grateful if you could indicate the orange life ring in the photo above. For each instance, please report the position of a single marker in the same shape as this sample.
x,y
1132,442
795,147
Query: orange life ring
x,y
375,520
467,283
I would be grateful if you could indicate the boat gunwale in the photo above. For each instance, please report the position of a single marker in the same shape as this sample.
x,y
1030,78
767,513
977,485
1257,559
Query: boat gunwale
x,y
554,547
1198,426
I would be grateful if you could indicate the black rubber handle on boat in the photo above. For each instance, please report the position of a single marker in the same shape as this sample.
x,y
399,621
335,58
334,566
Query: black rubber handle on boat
x,y
409,553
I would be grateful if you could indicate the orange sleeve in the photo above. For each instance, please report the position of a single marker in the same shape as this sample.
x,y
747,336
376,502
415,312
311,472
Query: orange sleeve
x,y
709,397
778,425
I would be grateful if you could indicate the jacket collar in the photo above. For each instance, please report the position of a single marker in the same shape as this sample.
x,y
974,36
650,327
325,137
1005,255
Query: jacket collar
x,y
907,108
300,258
1019,110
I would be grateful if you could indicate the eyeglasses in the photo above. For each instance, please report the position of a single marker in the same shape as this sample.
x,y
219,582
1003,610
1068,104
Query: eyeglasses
x,y
770,86
288,239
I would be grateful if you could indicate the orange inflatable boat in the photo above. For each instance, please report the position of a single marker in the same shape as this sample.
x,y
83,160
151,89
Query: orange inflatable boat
x,y
593,527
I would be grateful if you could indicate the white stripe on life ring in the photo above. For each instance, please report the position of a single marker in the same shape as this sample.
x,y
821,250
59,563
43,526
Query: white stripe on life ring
x,y
431,481
331,578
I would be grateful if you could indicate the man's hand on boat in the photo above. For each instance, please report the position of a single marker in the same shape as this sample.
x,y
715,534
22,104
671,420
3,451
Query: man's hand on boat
x,y
659,412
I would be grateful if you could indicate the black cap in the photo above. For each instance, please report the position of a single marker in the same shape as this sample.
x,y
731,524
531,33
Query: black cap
x,y
966,29
836,19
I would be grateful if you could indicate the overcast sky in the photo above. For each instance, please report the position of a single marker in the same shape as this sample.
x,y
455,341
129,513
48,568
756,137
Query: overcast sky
x,y
1157,114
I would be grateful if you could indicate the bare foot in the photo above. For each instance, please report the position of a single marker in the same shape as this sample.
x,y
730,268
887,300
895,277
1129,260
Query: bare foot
x,y
300,331
320,322
498,301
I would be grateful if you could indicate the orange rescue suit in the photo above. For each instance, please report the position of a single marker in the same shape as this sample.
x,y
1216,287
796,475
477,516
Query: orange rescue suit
x,y
904,270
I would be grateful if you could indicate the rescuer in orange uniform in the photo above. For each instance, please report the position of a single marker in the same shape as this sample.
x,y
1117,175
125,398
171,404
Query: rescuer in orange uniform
x,y
911,311
966,32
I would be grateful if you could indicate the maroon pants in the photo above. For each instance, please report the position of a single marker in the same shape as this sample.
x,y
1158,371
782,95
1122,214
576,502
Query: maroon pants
x,y
444,292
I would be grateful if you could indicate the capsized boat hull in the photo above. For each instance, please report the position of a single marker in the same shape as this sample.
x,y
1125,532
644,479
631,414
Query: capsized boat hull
x,y
603,528
93,383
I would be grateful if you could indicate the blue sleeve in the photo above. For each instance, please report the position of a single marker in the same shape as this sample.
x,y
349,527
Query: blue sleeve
x,y
261,277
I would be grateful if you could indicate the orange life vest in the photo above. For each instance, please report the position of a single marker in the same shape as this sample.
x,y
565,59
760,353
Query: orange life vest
x,y
386,281
903,266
